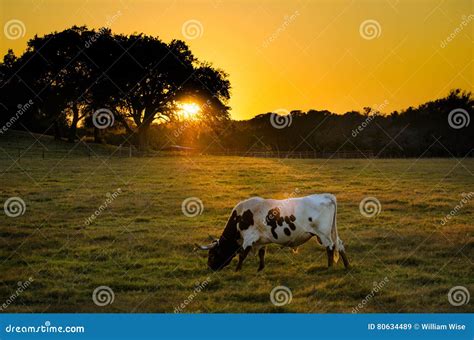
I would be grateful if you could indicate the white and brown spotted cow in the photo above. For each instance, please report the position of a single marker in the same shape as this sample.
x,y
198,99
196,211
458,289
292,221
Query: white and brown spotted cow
x,y
256,222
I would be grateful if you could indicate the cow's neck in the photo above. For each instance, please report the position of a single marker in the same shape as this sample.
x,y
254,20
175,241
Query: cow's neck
x,y
230,235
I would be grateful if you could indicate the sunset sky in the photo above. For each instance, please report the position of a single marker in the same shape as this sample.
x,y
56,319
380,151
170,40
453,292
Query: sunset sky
x,y
288,54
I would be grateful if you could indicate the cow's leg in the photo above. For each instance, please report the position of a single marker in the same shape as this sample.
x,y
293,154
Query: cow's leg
x,y
261,256
330,253
344,259
242,257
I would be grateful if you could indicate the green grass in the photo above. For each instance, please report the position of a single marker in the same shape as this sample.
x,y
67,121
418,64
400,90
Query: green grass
x,y
141,245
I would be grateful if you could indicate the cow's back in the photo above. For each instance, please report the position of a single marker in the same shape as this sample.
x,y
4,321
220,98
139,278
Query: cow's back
x,y
288,221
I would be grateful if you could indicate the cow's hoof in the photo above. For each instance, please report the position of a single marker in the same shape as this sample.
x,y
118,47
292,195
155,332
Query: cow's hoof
x,y
260,269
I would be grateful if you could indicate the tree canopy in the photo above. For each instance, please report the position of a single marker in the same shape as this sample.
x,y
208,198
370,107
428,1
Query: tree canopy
x,y
134,79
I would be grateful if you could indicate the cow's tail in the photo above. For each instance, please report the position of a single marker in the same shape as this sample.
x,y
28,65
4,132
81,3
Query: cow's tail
x,y
334,236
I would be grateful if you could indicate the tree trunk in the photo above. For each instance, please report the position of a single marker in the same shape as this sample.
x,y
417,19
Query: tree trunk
x,y
97,135
124,123
142,133
73,128
57,130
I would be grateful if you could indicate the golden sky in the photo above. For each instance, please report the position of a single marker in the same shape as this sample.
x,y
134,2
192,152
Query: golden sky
x,y
338,55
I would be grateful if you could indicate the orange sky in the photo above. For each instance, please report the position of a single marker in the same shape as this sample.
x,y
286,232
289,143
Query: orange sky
x,y
288,54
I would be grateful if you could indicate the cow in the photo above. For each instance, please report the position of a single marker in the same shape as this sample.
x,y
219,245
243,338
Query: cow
x,y
257,222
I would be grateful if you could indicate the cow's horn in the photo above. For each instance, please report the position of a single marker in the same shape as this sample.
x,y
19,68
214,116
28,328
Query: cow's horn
x,y
209,246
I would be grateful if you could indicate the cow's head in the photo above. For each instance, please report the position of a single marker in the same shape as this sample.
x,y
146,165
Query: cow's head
x,y
221,253
223,250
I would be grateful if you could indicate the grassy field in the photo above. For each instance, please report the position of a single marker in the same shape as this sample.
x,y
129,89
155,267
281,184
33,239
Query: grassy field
x,y
141,244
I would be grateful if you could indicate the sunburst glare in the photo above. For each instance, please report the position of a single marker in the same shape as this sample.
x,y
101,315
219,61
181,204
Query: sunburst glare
x,y
188,110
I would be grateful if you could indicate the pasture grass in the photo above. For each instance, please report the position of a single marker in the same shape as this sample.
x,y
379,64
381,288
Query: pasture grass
x,y
142,245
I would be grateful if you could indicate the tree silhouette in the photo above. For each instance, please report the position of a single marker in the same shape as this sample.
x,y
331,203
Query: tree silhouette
x,y
139,78
143,84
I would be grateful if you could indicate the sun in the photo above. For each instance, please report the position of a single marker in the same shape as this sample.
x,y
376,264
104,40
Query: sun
x,y
188,110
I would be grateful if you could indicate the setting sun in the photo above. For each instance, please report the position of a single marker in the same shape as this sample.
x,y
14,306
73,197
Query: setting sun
x,y
189,110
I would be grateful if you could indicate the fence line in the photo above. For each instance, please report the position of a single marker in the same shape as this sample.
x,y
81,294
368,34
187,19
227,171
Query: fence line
x,y
19,153
296,154
44,153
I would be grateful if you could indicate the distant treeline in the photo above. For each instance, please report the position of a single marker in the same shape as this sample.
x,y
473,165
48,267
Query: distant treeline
x,y
439,128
